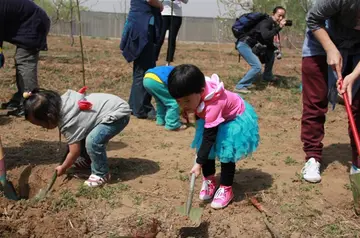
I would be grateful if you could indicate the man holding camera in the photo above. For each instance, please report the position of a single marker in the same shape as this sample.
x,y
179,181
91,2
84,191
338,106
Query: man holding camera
x,y
257,47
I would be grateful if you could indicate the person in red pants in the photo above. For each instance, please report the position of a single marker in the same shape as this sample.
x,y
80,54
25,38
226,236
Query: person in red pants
x,y
331,50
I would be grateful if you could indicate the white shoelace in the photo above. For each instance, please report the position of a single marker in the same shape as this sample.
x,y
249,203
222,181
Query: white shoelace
x,y
220,193
311,168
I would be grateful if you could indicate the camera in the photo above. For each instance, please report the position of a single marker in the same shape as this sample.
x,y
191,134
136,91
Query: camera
x,y
288,23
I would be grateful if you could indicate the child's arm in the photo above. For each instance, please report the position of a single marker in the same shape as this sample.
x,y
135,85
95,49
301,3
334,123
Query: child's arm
x,y
74,153
349,81
209,138
155,3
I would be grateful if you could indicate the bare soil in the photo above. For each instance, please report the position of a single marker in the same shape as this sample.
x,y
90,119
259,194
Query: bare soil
x,y
150,165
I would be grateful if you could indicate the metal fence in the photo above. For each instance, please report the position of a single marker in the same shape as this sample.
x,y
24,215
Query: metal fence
x,y
103,24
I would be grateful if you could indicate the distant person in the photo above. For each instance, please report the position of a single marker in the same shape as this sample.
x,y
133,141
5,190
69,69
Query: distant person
x,y
247,46
141,33
331,50
25,25
172,19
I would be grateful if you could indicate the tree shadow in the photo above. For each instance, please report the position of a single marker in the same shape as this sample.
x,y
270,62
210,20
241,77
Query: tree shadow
x,y
336,152
281,81
131,168
202,231
250,181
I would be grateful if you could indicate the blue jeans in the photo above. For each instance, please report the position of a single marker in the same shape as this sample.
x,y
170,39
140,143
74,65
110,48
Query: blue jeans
x,y
96,142
246,52
140,99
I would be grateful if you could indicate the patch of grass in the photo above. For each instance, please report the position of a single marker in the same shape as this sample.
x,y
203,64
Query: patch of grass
x,y
347,186
307,187
140,221
137,199
66,200
105,192
183,177
287,207
164,145
290,161
333,229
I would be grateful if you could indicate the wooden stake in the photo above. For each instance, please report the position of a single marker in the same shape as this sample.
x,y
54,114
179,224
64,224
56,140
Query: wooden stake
x,y
81,42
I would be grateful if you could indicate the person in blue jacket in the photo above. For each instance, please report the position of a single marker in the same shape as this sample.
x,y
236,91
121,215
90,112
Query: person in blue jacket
x,y
25,25
167,109
141,33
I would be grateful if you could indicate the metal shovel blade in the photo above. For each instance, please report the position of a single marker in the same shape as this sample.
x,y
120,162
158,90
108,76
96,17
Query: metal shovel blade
x,y
193,213
43,192
9,191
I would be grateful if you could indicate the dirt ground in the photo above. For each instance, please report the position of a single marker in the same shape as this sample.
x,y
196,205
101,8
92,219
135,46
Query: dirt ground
x,y
150,165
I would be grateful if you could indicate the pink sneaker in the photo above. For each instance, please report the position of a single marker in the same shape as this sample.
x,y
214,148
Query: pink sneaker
x,y
223,197
208,188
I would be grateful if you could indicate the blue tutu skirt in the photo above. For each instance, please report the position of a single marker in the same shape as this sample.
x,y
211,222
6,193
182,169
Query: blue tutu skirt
x,y
236,139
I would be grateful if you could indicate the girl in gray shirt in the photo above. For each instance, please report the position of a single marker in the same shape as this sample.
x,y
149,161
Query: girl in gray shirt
x,y
96,117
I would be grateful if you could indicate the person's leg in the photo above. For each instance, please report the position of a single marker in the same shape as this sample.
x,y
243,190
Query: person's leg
x,y
170,107
224,194
154,88
208,187
164,27
246,52
174,30
96,142
26,63
140,99
315,106
268,75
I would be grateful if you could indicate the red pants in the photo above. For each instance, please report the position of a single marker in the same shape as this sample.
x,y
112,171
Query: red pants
x,y
315,106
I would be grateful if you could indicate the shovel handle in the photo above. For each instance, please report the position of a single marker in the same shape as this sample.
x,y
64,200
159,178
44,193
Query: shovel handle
x,y
191,194
351,120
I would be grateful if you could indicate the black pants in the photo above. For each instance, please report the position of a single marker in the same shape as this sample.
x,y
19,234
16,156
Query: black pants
x,y
227,172
26,64
140,99
173,31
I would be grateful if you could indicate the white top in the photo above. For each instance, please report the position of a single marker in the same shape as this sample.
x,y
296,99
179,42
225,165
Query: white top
x,y
177,10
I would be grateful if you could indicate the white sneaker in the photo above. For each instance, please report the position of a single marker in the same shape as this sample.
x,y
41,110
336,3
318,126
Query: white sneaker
x,y
311,171
354,170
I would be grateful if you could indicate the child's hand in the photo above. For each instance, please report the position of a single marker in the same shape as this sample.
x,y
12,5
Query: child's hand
x,y
60,170
347,85
196,169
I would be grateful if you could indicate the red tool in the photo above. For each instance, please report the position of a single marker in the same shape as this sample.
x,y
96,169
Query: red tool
x,y
351,120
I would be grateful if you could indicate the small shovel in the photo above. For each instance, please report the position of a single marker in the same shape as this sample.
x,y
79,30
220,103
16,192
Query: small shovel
x,y
193,213
43,192
9,190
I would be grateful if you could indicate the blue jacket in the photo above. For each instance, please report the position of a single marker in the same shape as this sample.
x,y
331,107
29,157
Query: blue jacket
x,y
23,24
162,72
135,35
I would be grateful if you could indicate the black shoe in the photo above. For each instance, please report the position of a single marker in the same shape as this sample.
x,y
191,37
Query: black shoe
x,y
10,105
18,112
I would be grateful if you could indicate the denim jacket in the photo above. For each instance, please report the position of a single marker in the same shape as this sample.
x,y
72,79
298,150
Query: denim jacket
x,y
135,35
